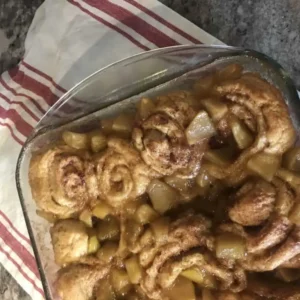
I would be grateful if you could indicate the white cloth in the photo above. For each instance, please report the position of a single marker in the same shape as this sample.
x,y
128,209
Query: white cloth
x,y
67,41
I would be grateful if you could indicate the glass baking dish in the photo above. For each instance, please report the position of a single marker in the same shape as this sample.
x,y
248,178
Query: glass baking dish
x,y
117,88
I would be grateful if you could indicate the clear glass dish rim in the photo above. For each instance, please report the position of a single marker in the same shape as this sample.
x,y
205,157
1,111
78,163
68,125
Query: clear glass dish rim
x,y
262,57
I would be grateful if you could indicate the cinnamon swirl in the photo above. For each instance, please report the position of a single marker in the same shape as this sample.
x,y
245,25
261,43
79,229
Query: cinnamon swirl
x,y
62,181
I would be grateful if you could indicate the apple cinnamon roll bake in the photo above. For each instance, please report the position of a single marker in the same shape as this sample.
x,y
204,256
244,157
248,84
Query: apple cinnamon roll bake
x,y
196,196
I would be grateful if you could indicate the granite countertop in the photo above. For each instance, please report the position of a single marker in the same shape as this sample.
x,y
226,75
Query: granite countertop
x,y
269,26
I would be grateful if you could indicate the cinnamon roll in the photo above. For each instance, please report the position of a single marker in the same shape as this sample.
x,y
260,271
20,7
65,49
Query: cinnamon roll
x,y
202,199
121,173
189,245
261,107
70,241
254,203
161,137
79,281
62,181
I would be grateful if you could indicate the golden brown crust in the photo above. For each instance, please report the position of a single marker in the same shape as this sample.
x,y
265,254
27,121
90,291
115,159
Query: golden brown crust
x,y
161,137
275,245
185,233
274,232
254,203
78,281
172,269
69,240
177,106
293,263
60,180
121,174
285,199
167,260
271,260
273,289
263,101
273,127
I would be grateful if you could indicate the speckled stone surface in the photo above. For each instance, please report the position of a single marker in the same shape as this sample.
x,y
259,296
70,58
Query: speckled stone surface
x,y
269,26
9,289
15,19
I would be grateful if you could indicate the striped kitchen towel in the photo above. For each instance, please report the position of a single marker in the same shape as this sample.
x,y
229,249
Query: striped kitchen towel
x,y
85,36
